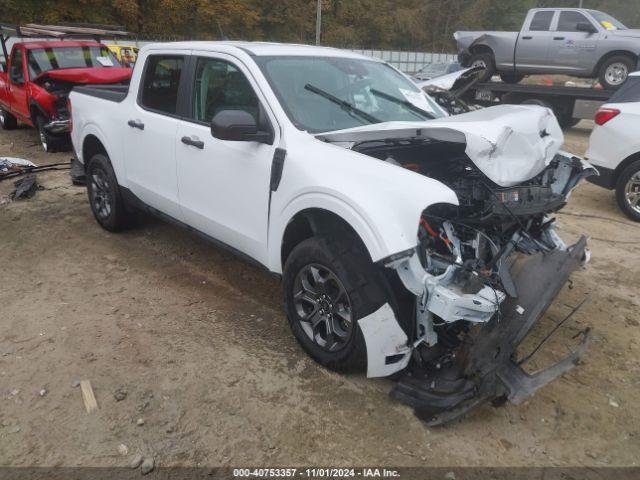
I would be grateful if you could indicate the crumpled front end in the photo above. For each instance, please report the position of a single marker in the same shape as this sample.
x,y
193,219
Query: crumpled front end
x,y
484,270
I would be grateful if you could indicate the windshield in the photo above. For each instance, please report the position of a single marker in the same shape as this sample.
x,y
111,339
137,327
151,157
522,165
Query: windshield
x,y
322,94
44,59
607,21
434,68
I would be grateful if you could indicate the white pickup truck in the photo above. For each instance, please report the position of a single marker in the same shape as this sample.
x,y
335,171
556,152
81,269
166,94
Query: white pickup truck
x,y
406,240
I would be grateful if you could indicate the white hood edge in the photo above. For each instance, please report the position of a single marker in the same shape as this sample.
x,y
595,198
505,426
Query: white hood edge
x,y
510,144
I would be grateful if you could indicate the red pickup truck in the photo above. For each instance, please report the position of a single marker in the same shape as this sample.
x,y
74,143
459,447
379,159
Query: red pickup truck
x,y
37,79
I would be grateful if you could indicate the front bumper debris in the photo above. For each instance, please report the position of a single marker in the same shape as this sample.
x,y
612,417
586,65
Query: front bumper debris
x,y
488,369
58,126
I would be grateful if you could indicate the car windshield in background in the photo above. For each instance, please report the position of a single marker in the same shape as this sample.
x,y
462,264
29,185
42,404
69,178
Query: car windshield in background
x,y
322,94
44,59
607,21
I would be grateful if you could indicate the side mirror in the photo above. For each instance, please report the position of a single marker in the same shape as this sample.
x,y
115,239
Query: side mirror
x,y
238,126
586,27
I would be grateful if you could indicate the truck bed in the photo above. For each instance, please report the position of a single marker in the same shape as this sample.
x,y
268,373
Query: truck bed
x,y
112,93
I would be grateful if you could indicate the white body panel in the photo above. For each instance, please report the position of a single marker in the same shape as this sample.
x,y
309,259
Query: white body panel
x,y
382,202
615,141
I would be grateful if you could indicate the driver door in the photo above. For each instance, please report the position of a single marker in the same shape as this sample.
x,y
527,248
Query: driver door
x,y
17,85
224,185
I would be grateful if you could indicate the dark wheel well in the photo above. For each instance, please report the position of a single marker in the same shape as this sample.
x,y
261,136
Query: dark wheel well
x,y
90,147
476,49
624,164
615,53
311,222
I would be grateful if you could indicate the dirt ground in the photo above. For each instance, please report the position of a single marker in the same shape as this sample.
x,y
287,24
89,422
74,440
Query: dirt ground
x,y
198,340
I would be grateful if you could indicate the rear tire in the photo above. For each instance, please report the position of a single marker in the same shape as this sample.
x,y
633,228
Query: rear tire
x,y
628,191
487,61
7,121
105,198
615,70
336,267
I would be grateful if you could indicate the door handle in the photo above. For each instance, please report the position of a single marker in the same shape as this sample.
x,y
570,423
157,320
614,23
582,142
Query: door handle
x,y
558,38
136,124
194,143
527,38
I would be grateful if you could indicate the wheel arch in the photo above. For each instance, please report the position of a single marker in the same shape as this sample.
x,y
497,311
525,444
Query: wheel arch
x,y
623,165
319,210
478,48
91,145
613,53
311,222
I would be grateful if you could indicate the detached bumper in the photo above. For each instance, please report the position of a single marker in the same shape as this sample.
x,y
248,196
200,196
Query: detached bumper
x,y
488,369
58,126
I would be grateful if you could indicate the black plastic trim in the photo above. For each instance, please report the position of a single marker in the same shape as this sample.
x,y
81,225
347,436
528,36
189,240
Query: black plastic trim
x,y
112,93
606,179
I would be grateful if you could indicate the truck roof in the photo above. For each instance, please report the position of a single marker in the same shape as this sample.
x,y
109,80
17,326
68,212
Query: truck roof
x,y
31,44
261,49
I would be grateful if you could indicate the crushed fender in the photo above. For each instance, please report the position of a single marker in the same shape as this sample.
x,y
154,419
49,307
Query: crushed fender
x,y
485,366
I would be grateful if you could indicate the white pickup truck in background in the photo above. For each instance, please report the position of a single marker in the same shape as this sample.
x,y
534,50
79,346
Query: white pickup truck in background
x,y
405,239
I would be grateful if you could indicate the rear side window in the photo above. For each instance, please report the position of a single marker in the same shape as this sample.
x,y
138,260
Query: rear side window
x,y
219,85
161,83
541,21
569,20
628,92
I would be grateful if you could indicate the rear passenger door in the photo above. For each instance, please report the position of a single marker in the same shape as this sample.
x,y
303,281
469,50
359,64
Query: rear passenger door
x,y
532,48
223,184
150,130
572,50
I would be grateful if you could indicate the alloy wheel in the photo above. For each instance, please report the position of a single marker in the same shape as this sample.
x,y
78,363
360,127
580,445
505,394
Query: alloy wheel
x,y
101,194
616,73
323,307
632,192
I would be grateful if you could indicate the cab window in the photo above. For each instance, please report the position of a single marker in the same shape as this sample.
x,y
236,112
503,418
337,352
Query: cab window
x,y
569,21
219,85
161,83
541,21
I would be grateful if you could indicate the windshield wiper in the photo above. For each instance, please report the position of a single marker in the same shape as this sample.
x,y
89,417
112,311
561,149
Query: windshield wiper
x,y
342,103
404,103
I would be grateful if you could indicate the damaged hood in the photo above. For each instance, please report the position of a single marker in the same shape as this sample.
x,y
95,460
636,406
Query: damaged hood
x,y
452,81
510,144
87,75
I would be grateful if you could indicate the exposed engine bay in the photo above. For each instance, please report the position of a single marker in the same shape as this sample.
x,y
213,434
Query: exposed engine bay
x,y
483,271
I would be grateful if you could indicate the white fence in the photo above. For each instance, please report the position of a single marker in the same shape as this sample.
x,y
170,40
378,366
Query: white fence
x,y
407,62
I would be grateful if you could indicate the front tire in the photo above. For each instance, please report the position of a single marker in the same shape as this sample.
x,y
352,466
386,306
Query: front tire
x,y
106,201
329,284
615,70
511,78
487,61
628,191
7,121
50,143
